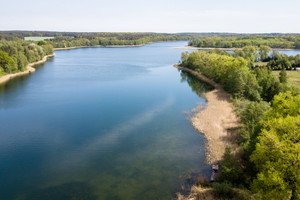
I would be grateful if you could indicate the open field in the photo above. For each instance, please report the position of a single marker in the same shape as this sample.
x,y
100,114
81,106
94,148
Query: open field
x,y
37,38
293,78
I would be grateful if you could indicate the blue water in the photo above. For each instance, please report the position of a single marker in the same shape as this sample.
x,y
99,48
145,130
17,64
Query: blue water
x,y
100,123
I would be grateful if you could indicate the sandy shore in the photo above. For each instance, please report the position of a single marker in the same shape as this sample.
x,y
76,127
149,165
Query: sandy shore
x,y
228,49
30,69
218,121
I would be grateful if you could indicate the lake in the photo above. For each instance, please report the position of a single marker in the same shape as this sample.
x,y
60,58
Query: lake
x,y
101,123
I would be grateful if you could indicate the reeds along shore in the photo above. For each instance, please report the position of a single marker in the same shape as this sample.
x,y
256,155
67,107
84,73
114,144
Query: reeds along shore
x,y
29,70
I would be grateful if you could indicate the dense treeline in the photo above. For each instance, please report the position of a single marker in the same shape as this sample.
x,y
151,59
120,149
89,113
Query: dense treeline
x,y
233,73
22,34
286,41
118,39
15,55
278,61
267,161
273,61
72,39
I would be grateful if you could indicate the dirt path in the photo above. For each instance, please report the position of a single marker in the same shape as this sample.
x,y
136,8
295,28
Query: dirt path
x,y
29,69
218,121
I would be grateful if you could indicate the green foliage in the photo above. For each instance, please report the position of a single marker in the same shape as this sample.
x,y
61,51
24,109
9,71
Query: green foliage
x,y
250,114
223,190
268,82
230,168
249,53
232,73
291,41
42,42
278,150
6,62
110,39
283,76
279,62
264,52
220,52
283,105
15,55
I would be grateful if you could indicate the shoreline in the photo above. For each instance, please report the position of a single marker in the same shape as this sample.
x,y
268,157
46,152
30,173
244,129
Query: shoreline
x,y
30,69
114,46
108,46
217,121
229,49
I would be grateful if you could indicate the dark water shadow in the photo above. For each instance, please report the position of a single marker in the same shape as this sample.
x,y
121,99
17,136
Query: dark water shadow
x,y
67,191
198,86
19,82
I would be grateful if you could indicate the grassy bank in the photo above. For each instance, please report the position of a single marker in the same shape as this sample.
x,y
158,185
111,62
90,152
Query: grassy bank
x,y
293,78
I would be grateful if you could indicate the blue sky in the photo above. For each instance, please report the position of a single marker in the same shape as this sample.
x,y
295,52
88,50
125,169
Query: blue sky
x,y
255,16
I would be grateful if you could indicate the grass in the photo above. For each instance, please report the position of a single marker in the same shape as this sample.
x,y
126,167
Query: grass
x,y
293,78
261,63
37,38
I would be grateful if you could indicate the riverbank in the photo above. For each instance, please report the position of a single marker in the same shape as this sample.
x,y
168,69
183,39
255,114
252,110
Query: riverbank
x,y
224,49
217,121
30,69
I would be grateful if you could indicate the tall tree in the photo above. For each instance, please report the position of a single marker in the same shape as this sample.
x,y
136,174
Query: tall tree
x,y
264,52
277,154
6,62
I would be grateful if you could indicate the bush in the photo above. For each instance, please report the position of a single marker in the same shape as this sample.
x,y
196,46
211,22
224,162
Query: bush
x,y
223,190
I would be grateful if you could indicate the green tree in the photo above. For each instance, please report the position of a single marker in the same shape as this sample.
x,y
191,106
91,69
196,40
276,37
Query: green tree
x,y
283,76
6,62
231,169
268,82
264,52
277,154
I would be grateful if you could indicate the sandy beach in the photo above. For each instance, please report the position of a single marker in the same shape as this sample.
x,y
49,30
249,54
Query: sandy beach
x,y
29,69
218,121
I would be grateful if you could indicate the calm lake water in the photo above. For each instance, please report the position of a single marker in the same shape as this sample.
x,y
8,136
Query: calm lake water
x,y
100,123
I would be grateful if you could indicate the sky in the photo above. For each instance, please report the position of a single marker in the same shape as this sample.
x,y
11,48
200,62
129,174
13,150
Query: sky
x,y
165,16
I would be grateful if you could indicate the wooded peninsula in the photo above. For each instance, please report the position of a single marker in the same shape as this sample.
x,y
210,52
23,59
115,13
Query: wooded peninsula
x,y
264,163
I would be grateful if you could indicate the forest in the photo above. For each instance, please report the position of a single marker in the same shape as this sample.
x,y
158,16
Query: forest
x,y
15,55
73,39
266,162
112,39
279,41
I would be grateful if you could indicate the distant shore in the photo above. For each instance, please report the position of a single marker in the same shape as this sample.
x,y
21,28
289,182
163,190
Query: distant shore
x,y
110,46
116,46
30,69
204,48
224,49
216,121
